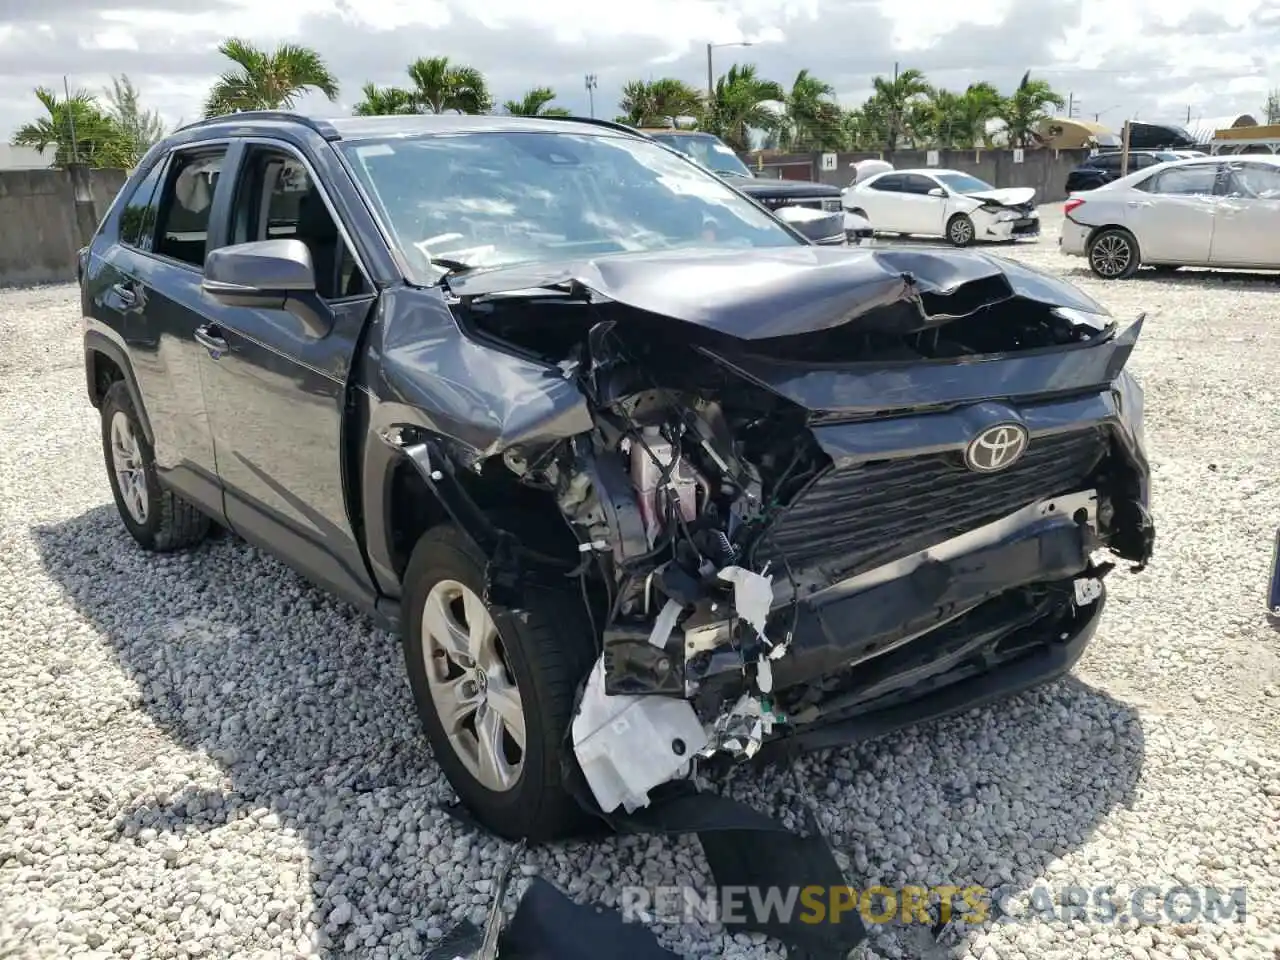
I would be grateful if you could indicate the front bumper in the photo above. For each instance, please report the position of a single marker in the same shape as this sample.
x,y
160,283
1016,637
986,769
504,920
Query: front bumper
x,y
1022,228
953,691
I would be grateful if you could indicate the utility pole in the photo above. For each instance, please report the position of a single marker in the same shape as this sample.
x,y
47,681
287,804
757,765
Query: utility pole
x,y
893,117
1188,114
1071,106
710,82
1124,150
71,121
592,83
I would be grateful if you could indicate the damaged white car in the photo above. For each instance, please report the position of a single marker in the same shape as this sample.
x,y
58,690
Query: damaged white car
x,y
943,203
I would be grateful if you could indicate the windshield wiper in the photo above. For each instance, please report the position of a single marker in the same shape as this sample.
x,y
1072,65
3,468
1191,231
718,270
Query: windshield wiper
x,y
736,173
452,267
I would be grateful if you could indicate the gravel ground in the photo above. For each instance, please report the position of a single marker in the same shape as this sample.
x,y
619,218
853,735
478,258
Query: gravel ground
x,y
202,755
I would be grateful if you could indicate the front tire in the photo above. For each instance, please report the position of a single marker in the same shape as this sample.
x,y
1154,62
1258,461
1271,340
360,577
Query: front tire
x,y
960,230
1113,254
157,518
495,702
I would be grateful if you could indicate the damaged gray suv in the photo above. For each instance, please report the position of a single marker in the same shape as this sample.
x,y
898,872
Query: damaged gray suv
x,y
641,476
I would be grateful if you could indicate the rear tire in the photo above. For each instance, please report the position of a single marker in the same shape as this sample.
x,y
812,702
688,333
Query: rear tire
x,y
540,655
1113,254
960,231
157,518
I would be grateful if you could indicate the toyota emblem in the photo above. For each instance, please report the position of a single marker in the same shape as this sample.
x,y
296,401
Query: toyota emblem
x,y
996,448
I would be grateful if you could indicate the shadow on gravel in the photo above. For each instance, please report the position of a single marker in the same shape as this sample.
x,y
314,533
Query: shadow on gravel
x,y
305,707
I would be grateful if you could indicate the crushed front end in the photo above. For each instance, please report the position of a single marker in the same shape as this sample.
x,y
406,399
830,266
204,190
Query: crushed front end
x,y
823,498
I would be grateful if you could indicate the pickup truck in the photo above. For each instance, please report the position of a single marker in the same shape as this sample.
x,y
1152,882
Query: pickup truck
x,y
640,476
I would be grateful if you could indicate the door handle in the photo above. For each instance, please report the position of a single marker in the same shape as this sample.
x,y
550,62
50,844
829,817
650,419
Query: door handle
x,y
126,294
1139,203
210,337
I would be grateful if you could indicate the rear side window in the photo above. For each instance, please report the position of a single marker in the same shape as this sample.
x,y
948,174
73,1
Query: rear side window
x,y
1196,180
890,182
186,204
1109,163
138,218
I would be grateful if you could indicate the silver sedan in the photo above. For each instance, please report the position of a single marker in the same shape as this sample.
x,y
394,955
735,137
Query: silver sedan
x,y
1201,212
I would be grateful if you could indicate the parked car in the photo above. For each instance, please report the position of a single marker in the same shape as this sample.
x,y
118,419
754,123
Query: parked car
x,y
944,203
797,201
1207,212
1105,167
637,473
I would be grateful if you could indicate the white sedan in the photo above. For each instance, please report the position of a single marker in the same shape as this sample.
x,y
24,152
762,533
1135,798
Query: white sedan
x,y
1203,212
943,203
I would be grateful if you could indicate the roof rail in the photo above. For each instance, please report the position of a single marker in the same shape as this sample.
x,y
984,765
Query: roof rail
x,y
322,127
607,124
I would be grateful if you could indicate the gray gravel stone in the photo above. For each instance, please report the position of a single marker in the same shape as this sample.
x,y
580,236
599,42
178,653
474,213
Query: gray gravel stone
x,y
201,755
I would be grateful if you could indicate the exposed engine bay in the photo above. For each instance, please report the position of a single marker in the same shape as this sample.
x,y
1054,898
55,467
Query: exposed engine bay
x,y
814,492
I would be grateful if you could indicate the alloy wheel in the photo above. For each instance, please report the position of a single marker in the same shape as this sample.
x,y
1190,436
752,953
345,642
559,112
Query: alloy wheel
x,y
126,461
1111,255
471,685
961,231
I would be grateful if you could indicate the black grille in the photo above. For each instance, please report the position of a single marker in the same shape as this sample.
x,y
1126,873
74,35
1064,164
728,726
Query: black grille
x,y
858,517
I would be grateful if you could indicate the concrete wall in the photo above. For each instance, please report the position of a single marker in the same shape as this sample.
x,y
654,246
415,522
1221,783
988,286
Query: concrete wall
x,y
1045,170
46,216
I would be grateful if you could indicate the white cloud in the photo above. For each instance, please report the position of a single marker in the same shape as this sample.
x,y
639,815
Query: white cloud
x,y
1156,57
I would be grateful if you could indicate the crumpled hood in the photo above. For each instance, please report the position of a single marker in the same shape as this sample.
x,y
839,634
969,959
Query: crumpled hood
x,y
755,294
1007,197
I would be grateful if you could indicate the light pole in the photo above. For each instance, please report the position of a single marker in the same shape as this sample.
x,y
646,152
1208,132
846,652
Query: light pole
x,y
711,83
591,92
1097,114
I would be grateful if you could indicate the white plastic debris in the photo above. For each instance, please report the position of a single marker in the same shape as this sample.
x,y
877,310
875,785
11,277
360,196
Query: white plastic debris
x,y
664,623
764,674
752,595
628,745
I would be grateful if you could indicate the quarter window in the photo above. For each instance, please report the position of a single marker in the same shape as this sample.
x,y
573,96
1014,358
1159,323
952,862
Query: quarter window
x,y
138,218
186,205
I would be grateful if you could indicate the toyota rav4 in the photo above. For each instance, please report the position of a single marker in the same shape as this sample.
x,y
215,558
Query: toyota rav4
x,y
641,476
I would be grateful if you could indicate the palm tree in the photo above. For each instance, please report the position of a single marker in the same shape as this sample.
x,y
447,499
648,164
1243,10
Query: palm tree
x,y
658,102
441,87
77,129
1024,110
891,101
384,101
1271,109
812,120
268,81
959,119
738,106
534,104
141,128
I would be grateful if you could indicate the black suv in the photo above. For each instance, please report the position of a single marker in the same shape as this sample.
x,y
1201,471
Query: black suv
x,y
812,208
1105,167
638,474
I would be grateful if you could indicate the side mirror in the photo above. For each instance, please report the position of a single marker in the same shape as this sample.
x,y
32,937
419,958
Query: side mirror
x,y
268,275
937,192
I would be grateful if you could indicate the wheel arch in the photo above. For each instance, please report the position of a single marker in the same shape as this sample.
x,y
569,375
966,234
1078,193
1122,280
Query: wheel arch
x,y
106,362
412,483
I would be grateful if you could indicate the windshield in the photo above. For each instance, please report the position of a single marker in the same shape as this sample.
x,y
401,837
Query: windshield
x,y
494,199
711,152
963,183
